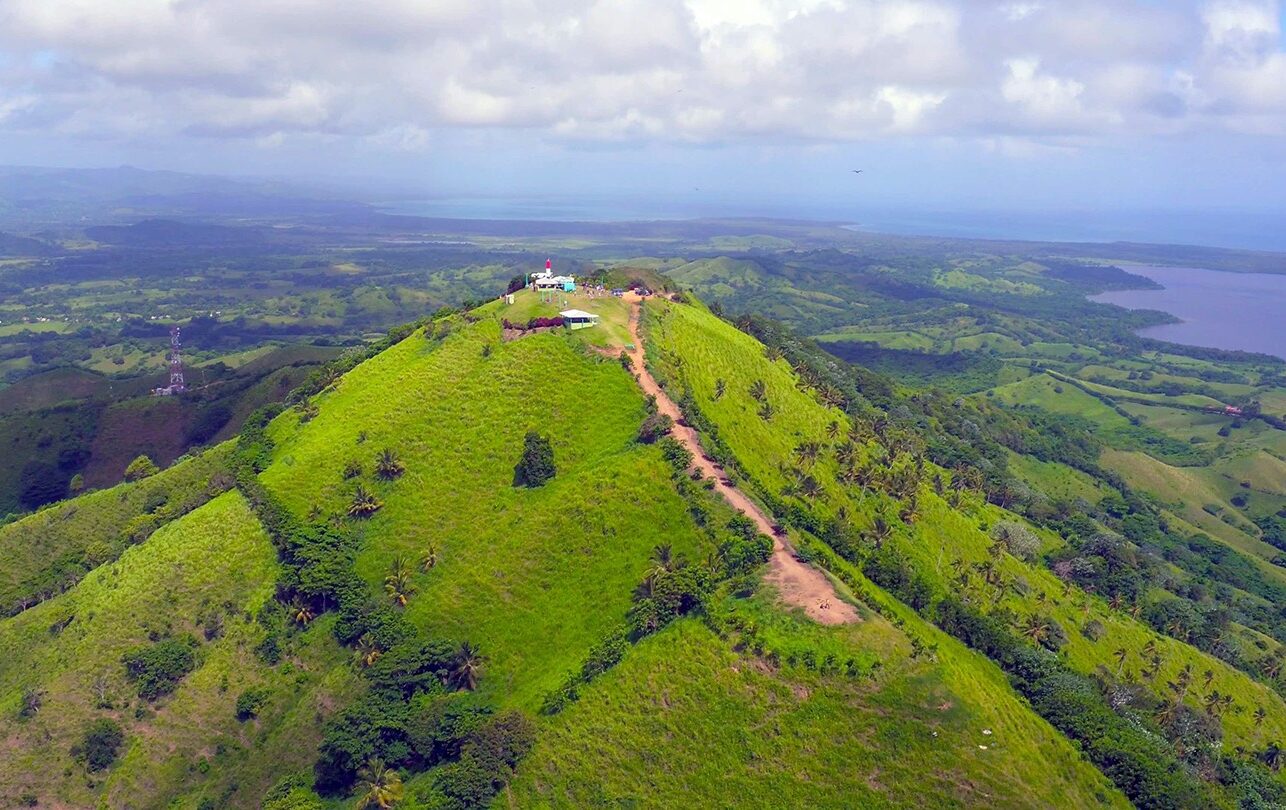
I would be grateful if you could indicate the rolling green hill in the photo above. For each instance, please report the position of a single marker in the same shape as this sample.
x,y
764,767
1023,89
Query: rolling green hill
x,y
392,580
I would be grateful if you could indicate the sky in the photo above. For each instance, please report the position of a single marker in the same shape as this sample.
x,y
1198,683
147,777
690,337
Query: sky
x,y
1082,107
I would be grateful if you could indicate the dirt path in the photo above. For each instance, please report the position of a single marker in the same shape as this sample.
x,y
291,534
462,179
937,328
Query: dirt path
x,y
799,584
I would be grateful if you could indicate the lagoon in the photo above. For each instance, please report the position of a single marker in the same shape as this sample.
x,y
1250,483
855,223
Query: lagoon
x,y
1245,311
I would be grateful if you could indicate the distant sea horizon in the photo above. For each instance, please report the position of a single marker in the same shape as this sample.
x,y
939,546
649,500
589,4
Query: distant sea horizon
x,y
1264,231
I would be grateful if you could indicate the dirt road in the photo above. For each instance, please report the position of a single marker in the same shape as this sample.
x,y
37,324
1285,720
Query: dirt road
x,y
798,583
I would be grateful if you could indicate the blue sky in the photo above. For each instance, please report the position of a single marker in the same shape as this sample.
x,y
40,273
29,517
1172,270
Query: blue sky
x,y
676,105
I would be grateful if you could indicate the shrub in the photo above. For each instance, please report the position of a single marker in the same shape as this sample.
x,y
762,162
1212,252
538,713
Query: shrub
x,y
292,793
158,668
605,654
100,745
1019,540
140,468
679,457
536,466
32,700
250,702
374,727
487,760
655,427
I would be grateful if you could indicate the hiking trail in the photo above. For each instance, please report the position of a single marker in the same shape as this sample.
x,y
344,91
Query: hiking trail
x,y
799,584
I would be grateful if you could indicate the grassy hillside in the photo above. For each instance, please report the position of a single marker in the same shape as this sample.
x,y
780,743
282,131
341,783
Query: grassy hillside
x,y
214,562
735,704
47,552
721,369
689,719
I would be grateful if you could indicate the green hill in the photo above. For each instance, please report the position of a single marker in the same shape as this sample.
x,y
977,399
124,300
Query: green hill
x,y
382,586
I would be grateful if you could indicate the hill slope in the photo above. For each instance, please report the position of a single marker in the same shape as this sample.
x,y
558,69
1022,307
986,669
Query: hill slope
x,y
647,676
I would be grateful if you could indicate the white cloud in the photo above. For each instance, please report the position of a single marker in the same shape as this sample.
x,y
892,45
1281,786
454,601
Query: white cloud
x,y
391,72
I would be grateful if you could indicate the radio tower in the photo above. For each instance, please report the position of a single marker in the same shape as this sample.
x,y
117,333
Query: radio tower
x,y
177,386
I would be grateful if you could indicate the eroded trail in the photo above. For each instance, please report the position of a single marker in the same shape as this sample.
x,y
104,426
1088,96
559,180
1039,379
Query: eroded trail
x,y
799,584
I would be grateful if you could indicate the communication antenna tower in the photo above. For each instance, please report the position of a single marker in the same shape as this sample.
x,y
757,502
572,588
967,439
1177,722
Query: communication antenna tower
x,y
177,385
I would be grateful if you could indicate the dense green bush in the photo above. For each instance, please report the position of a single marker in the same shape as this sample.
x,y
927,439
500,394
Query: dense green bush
x,y
487,761
158,668
536,466
654,427
678,456
100,744
140,468
294,792
250,702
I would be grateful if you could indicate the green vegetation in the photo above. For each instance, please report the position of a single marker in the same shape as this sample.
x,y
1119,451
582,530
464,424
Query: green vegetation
x,y
468,564
536,466
868,497
46,553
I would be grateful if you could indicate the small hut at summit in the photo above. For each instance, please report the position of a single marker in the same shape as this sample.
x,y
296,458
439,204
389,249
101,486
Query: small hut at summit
x,y
578,318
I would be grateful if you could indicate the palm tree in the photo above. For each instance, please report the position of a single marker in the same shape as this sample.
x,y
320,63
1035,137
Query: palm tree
x,y
1273,666
1154,666
719,388
388,466
664,561
367,652
1117,601
1169,711
807,452
1120,655
1036,628
302,613
832,429
758,390
399,587
1260,714
467,667
879,423
1213,703
1207,678
364,503
1150,648
1273,756
380,786
809,487
1182,682
910,510
989,569
429,558
879,531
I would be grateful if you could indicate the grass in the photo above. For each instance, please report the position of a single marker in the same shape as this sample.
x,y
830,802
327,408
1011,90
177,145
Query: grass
x,y
1056,480
687,721
694,349
534,576
215,560
1186,491
44,552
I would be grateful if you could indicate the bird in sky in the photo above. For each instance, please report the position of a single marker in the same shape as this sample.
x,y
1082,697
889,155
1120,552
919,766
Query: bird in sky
x,y
857,171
